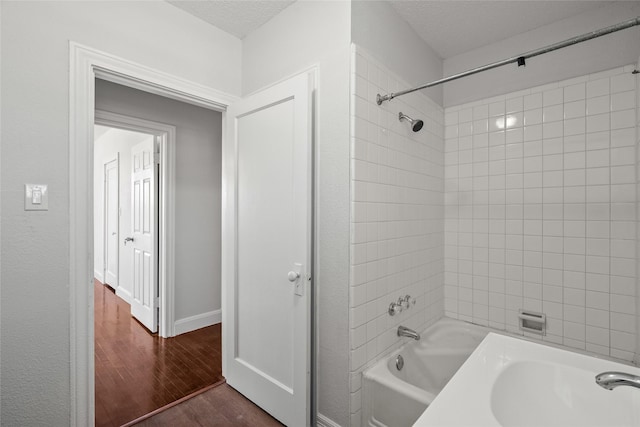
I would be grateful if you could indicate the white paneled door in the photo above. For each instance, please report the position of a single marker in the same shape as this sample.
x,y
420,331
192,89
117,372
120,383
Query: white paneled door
x,y
144,298
111,222
267,248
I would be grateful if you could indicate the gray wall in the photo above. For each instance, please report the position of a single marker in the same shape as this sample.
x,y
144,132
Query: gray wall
x,y
377,28
600,54
637,236
35,304
198,190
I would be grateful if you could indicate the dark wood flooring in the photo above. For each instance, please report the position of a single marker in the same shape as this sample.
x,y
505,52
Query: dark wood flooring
x,y
221,406
137,372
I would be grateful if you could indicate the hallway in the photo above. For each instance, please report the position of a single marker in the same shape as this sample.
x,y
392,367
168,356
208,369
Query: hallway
x,y
137,372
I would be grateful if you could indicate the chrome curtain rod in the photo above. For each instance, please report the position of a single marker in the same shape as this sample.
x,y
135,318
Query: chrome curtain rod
x,y
520,59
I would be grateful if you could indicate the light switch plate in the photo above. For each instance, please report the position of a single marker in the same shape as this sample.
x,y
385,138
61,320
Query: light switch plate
x,y
36,197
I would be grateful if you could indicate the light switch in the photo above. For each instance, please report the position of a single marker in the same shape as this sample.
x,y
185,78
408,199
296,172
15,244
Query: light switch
x,y
36,197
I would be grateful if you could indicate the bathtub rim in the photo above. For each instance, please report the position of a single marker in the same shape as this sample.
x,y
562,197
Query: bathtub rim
x,y
445,320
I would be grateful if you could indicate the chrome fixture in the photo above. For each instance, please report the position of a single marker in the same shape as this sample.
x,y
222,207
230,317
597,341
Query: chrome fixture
x,y
611,380
407,302
395,308
399,363
403,331
519,59
128,239
416,125
404,302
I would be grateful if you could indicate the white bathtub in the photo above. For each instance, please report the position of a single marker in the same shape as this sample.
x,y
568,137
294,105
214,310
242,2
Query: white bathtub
x,y
395,398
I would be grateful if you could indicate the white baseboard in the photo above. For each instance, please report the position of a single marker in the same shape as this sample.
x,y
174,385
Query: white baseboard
x,y
326,422
98,276
198,321
124,294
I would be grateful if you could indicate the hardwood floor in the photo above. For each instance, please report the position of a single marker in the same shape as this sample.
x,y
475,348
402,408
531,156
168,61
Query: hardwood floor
x,y
137,372
221,406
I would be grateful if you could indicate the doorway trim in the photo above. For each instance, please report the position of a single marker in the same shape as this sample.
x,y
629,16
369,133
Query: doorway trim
x,y
87,64
166,135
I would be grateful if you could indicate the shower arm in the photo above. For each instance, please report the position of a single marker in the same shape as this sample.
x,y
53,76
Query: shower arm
x,y
520,59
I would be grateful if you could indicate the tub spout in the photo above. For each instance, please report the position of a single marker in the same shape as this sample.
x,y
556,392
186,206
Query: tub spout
x,y
403,331
611,380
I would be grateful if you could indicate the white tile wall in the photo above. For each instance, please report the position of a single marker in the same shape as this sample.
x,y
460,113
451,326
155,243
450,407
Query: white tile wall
x,y
397,228
540,211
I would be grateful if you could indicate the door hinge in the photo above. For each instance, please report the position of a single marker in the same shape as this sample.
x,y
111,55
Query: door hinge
x,y
156,158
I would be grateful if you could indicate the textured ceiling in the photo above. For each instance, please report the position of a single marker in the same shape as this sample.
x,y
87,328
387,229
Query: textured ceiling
x,y
239,17
454,27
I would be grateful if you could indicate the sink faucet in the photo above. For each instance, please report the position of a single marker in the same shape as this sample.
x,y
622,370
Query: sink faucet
x,y
611,380
403,331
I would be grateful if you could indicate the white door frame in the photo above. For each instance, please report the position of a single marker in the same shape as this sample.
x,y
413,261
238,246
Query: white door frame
x,y
105,228
166,207
85,65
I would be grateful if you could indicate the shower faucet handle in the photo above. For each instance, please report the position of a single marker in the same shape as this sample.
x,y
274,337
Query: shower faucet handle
x,y
406,301
403,303
394,308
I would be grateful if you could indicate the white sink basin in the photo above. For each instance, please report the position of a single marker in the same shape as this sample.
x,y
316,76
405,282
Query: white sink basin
x,y
513,382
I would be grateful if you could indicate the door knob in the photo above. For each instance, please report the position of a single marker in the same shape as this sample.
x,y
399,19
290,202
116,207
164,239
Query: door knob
x,y
293,276
128,239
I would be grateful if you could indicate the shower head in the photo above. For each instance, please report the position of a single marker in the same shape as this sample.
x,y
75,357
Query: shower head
x,y
416,125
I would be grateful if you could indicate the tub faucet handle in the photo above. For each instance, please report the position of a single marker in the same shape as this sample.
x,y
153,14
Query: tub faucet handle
x,y
406,301
395,308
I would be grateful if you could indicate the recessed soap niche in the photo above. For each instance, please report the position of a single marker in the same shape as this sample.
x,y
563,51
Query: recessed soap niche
x,y
530,321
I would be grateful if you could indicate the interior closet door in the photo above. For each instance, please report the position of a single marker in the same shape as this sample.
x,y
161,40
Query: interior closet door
x,y
267,161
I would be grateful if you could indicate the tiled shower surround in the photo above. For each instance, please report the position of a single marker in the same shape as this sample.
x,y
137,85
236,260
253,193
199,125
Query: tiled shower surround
x,y
522,201
397,227
540,211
